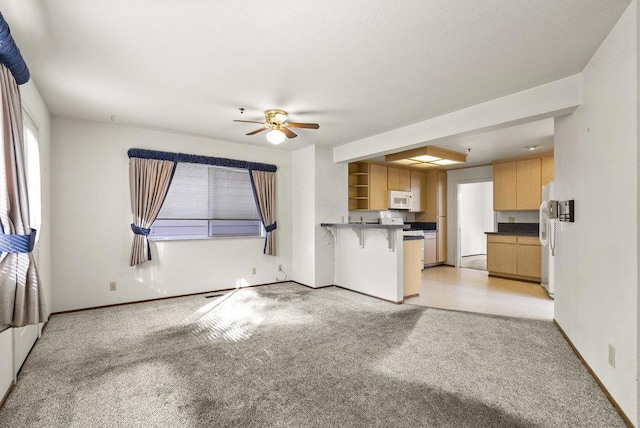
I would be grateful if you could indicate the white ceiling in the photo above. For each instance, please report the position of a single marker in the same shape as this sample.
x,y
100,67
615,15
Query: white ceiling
x,y
357,67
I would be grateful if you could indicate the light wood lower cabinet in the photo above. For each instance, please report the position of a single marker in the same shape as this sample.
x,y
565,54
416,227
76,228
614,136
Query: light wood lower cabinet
x,y
412,267
442,239
517,257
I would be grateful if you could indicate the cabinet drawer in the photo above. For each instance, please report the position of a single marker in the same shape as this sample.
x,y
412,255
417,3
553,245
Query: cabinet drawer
x,y
528,240
502,239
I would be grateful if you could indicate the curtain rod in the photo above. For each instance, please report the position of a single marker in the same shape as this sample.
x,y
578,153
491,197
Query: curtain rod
x,y
208,160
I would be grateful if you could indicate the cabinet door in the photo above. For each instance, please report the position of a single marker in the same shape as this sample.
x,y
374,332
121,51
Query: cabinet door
x,y
418,184
504,186
529,189
502,258
547,172
442,194
529,260
399,179
442,239
378,192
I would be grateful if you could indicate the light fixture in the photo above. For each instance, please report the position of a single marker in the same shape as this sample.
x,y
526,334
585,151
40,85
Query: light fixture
x,y
275,136
427,157
532,147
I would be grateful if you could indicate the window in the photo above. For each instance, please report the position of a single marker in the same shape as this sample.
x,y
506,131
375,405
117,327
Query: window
x,y
208,201
32,161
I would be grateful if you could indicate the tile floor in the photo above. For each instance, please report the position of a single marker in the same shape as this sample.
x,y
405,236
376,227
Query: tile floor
x,y
472,290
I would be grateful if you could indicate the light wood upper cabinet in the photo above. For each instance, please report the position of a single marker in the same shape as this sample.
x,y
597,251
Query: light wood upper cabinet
x,y
399,179
517,184
547,172
367,186
378,191
441,193
528,184
504,186
418,184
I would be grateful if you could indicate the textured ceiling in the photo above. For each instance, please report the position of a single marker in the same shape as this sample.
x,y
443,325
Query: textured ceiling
x,y
356,67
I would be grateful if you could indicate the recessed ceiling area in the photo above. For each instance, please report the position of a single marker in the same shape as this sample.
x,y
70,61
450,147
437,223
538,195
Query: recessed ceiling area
x,y
357,68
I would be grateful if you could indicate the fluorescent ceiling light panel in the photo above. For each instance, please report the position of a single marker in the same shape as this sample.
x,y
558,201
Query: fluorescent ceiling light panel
x,y
425,158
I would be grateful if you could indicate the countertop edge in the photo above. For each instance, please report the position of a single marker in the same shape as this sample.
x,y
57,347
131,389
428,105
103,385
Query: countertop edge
x,y
512,233
366,225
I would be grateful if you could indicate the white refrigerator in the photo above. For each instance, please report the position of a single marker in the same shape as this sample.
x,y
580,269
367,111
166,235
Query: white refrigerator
x,y
547,234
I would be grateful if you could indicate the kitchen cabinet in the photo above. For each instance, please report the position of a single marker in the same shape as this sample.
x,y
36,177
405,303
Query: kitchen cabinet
x,y
436,210
517,184
547,171
528,193
442,239
399,179
430,248
418,184
367,186
516,257
412,267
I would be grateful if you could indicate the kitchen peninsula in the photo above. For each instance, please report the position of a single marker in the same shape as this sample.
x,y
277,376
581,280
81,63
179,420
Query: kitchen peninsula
x,y
369,258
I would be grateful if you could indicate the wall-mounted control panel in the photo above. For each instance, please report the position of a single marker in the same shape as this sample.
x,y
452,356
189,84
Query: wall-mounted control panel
x,y
566,211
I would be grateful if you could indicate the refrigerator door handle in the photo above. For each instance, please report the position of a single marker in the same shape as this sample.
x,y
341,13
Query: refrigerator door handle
x,y
543,234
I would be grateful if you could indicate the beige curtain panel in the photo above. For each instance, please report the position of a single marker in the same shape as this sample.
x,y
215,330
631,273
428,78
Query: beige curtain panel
x,y
21,297
264,186
149,181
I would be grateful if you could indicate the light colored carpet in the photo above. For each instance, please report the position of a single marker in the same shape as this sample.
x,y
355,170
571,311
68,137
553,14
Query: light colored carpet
x,y
287,356
478,261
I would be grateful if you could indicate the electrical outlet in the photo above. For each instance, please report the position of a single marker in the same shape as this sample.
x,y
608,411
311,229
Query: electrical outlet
x,y
512,219
612,356
253,271
113,286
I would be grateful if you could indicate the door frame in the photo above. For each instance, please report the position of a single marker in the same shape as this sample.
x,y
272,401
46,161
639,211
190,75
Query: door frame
x,y
458,232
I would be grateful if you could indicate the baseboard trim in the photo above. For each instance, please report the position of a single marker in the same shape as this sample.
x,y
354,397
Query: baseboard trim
x,y
369,295
595,377
6,395
313,288
167,297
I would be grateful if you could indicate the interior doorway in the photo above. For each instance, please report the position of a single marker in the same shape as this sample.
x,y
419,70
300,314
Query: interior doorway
x,y
475,217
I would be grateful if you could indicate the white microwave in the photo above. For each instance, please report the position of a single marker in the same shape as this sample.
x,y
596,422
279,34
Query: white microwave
x,y
399,200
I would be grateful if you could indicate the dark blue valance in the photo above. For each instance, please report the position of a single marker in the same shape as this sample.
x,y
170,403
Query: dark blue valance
x,y
181,157
17,243
10,55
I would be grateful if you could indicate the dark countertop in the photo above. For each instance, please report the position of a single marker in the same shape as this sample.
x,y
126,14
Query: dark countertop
x,y
512,233
366,225
412,238
423,225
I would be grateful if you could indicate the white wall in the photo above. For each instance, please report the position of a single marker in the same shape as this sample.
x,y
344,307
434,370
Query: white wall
x,y
596,164
476,216
455,177
319,195
520,216
91,213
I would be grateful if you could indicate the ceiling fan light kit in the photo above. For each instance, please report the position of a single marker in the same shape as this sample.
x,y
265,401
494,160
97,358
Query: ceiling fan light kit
x,y
276,120
427,157
275,136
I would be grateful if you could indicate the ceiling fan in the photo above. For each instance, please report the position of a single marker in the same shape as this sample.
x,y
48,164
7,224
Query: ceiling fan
x,y
276,121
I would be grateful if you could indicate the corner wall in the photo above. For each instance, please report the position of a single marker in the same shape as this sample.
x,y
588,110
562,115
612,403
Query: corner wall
x,y
91,213
596,164
319,195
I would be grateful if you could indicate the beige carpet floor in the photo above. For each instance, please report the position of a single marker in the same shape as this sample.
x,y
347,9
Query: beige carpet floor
x,y
287,356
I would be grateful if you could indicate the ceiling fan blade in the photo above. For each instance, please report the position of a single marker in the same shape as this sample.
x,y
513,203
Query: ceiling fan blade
x,y
303,125
248,121
259,130
289,133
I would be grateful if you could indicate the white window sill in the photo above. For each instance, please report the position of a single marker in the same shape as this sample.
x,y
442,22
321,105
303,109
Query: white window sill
x,y
201,238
